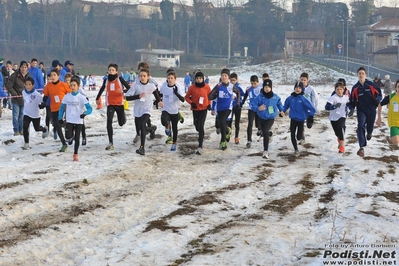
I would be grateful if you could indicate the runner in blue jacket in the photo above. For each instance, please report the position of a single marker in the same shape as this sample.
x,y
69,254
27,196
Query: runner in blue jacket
x,y
223,93
268,105
300,110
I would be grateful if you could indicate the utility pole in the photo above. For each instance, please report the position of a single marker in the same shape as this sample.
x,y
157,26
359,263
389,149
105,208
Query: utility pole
x,y
76,29
343,36
229,45
347,44
188,37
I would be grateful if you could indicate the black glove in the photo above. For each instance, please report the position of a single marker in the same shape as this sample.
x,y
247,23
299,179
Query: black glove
x,y
82,115
238,107
61,122
175,90
193,106
351,112
309,121
156,103
42,105
209,107
337,105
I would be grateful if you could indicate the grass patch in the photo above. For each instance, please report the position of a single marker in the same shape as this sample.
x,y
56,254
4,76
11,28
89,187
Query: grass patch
x,y
47,171
380,173
287,204
385,159
180,212
361,195
392,169
9,185
263,175
187,149
351,139
324,128
31,226
160,224
205,199
312,253
374,213
199,247
331,175
320,213
328,196
390,195
9,141
306,183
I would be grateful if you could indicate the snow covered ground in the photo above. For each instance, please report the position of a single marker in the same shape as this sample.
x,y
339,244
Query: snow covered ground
x,y
222,208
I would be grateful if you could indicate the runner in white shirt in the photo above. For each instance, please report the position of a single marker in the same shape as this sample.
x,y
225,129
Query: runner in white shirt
x,y
76,106
171,98
32,100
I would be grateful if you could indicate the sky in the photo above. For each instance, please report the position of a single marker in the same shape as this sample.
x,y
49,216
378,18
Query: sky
x,y
221,208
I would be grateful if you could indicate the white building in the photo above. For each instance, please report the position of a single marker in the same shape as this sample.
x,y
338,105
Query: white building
x,y
161,57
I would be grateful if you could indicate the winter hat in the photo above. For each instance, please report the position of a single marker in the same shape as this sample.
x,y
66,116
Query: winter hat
x,y
55,63
23,63
268,83
387,77
225,71
199,74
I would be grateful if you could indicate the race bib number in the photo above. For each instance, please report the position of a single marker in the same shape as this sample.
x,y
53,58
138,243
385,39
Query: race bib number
x,y
271,109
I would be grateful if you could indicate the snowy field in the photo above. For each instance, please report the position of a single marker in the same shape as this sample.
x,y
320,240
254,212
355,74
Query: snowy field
x,y
221,208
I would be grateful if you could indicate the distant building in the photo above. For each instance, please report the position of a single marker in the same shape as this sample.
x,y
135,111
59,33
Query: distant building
x,y
139,11
161,57
377,42
304,42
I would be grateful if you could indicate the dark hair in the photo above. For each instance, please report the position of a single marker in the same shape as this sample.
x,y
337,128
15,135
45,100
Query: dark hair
x,y
113,65
169,70
68,75
31,80
76,79
234,75
361,68
343,81
55,70
143,65
254,78
265,75
339,84
396,84
171,73
146,70
33,60
304,75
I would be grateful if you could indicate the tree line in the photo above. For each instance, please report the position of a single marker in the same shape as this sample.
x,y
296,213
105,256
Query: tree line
x,y
91,33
